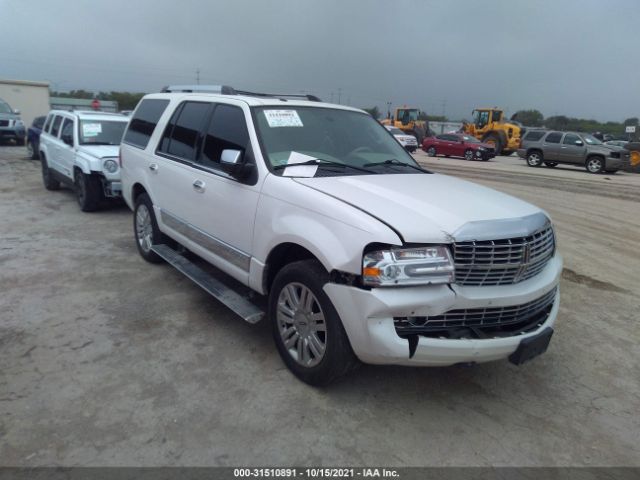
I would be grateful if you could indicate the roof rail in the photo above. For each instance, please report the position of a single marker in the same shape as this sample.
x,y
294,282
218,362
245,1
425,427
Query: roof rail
x,y
227,90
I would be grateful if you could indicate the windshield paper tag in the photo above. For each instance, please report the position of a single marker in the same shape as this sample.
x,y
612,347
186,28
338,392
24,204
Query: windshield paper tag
x,y
91,129
294,170
283,118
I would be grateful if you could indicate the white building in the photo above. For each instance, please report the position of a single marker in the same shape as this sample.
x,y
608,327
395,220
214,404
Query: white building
x,y
31,98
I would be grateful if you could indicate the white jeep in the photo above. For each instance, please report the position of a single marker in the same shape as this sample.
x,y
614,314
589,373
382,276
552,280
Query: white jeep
x,y
81,149
314,216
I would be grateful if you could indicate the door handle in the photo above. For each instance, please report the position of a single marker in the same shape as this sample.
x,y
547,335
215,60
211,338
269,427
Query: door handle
x,y
153,167
198,186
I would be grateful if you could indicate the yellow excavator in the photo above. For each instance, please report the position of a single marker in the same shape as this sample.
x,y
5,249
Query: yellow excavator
x,y
406,119
489,127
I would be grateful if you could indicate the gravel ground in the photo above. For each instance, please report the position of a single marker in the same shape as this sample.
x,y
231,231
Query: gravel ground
x,y
108,360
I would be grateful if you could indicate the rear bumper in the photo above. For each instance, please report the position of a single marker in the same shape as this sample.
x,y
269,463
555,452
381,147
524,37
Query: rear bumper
x,y
368,318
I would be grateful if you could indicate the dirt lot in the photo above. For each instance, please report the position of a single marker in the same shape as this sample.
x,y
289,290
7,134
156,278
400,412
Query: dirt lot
x,y
108,360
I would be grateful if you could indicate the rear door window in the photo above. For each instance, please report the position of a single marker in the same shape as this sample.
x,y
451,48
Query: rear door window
x,y
553,137
227,131
144,122
571,139
55,128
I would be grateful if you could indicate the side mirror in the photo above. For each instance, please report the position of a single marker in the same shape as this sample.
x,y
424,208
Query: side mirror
x,y
68,139
16,111
233,162
579,143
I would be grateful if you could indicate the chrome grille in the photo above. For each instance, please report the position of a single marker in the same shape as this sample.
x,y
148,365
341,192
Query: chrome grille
x,y
503,262
482,318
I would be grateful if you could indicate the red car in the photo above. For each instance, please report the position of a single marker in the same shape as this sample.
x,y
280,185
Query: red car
x,y
458,145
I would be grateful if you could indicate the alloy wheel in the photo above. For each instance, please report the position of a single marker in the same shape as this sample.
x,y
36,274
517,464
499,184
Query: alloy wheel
x,y
144,228
534,160
594,165
301,324
468,155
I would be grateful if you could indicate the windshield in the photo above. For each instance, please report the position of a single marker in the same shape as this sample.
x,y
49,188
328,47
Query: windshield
x,y
591,140
407,115
342,136
469,139
5,108
101,132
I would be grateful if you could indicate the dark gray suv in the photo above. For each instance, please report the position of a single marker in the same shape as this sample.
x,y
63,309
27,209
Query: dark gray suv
x,y
550,148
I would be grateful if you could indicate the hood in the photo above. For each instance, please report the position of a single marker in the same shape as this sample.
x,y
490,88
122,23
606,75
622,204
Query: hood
x,y
100,151
9,116
426,208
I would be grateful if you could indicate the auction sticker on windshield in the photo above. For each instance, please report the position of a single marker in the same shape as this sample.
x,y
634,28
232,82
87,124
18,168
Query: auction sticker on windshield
x,y
283,118
91,129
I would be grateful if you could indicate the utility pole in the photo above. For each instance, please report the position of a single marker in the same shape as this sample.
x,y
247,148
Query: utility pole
x,y
197,76
444,107
388,109
339,95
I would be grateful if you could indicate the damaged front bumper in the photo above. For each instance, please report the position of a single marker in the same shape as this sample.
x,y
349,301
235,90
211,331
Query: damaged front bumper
x,y
368,318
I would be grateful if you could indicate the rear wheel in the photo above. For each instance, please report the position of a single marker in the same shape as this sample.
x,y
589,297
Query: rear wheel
x,y
431,151
145,229
594,164
306,327
88,191
534,159
494,140
551,164
468,154
50,183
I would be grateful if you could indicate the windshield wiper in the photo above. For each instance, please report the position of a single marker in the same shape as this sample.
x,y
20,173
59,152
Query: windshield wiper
x,y
321,162
396,162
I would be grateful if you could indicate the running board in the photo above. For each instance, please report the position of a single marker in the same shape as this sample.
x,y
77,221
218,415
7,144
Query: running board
x,y
237,303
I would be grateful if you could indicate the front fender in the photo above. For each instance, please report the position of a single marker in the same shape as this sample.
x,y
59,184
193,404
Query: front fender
x,y
88,164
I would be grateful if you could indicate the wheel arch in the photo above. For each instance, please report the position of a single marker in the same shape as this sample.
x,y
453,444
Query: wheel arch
x,y
282,255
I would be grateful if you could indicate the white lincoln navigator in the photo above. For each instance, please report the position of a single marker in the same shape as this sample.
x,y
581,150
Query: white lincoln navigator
x,y
313,216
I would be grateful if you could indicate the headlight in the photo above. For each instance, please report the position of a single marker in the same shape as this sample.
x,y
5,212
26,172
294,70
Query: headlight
x,y
408,266
110,166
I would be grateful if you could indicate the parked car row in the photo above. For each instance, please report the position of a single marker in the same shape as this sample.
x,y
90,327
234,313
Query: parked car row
x,y
11,125
350,249
550,148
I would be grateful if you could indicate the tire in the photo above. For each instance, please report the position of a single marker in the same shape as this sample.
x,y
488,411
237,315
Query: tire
x,y
32,153
535,158
432,152
88,190
612,172
495,140
47,177
145,229
594,164
469,154
507,153
551,164
321,342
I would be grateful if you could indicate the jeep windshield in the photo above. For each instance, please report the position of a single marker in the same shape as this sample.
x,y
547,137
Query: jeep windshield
x,y
337,136
5,108
101,132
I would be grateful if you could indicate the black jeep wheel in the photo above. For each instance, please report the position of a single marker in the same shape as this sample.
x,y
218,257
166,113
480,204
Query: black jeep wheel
x,y
88,191
49,182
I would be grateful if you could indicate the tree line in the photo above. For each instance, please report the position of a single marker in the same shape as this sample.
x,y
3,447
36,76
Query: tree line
x,y
534,118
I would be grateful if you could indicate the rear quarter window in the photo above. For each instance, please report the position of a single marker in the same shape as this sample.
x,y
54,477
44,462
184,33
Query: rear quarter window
x,y
144,122
534,136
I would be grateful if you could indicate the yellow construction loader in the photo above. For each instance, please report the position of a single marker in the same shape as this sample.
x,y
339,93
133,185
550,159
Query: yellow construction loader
x,y
488,126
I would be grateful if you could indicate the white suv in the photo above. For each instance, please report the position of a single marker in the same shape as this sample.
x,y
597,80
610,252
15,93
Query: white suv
x,y
81,149
354,250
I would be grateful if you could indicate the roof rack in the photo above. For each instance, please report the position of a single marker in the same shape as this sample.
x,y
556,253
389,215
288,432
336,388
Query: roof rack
x,y
227,90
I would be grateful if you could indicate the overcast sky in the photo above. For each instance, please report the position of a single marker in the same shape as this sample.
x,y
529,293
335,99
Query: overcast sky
x,y
572,57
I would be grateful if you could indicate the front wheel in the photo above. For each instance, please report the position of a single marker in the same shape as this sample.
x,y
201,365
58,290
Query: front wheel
x,y
88,191
307,330
431,151
594,165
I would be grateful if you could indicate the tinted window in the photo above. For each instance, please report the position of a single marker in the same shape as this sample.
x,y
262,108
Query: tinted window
x,y
534,136
553,137
47,125
144,122
55,128
227,130
180,136
67,127
571,139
